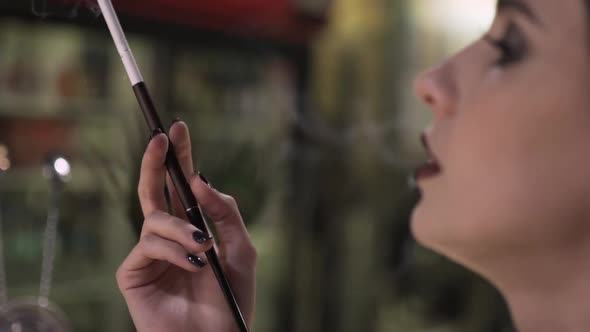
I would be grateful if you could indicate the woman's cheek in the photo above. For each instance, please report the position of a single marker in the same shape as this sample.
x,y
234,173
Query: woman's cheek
x,y
515,187
480,195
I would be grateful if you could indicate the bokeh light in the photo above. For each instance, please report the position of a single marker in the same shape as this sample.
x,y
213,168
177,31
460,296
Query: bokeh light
x,y
62,167
4,161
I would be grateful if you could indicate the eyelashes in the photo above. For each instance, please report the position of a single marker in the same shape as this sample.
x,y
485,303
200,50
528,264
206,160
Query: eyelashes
x,y
512,46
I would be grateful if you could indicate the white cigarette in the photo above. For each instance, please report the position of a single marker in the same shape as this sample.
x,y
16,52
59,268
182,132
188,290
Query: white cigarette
x,y
121,43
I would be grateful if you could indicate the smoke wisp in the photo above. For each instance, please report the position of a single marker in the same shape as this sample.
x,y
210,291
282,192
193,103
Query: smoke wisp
x,y
65,9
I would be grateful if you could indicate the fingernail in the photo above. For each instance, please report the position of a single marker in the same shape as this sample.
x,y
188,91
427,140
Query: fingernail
x,y
203,178
201,237
174,121
156,132
196,261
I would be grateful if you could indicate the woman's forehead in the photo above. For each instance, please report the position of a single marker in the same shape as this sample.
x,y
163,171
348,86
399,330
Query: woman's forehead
x,y
554,15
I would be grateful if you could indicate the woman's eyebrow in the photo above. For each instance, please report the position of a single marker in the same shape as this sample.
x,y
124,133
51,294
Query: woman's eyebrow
x,y
519,6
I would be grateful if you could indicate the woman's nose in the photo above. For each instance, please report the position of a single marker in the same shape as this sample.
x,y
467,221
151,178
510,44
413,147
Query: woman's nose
x,y
436,89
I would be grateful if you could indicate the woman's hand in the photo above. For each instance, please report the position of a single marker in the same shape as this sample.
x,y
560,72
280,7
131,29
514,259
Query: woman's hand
x,y
163,285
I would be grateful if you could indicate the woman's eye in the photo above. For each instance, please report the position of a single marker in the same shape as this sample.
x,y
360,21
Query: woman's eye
x,y
512,46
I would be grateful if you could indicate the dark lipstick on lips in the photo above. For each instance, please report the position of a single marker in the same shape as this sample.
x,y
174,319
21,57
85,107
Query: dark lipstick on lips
x,y
431,167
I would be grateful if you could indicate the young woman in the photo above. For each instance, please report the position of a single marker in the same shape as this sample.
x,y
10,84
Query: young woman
x,y
507,192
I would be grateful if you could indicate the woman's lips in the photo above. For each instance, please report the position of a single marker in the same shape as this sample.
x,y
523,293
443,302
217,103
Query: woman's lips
x,y
431,167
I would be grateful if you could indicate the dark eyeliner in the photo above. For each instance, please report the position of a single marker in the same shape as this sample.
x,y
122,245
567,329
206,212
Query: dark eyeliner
x,y
512,46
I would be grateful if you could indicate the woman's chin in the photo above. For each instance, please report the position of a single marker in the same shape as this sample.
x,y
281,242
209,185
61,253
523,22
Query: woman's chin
x,y
432,231
420,226
447,237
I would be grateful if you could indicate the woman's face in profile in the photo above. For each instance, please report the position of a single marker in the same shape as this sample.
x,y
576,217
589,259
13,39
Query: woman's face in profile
x,y
511,132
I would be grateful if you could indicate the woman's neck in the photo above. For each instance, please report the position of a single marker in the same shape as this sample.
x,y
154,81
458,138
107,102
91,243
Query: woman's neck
x,y
551,310
549,294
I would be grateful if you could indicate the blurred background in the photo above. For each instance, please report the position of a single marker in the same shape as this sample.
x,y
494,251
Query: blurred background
x,y
301,109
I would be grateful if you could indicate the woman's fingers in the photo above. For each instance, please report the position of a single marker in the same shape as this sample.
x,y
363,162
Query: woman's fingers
x,y
233,238
236,250
174,229
170,239
180,139
153,175
154,248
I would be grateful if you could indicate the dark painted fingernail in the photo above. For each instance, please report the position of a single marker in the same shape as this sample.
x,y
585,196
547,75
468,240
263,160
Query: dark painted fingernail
x,y
196,261
174,121
156,132
201,237
204,179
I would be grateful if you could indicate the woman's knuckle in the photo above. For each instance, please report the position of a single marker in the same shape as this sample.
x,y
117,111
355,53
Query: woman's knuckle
x,y
177,222
148,240
119,273
253,250
142,193
149,220
230,201
249,253
254,255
